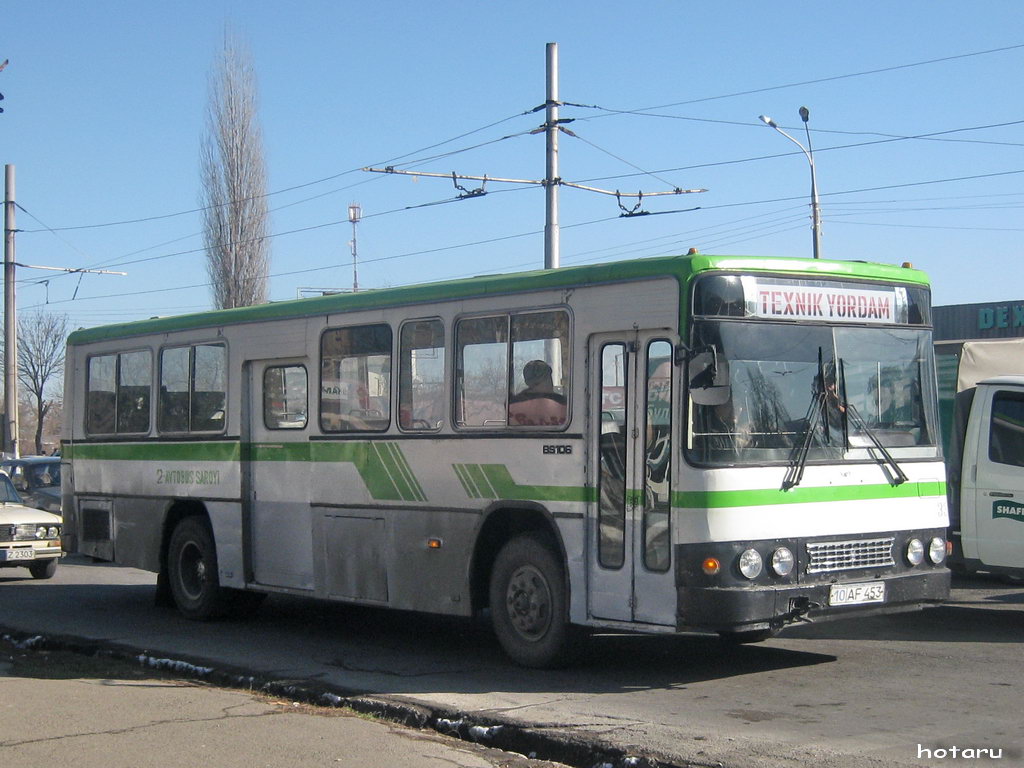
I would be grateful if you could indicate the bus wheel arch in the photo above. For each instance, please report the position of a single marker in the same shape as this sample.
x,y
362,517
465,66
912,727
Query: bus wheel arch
x,y
503,522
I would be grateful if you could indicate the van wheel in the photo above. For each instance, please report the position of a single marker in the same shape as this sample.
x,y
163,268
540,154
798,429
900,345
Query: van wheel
x,y
192,571
43,569
528,603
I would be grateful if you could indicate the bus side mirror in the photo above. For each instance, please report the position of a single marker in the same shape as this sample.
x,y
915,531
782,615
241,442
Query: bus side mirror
x,y
709,379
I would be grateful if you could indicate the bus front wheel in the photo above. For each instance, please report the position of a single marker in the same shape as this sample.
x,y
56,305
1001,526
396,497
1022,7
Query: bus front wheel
x,y
528,603
192,571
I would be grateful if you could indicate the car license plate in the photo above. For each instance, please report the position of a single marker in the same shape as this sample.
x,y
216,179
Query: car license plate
x,y
18,554
857,594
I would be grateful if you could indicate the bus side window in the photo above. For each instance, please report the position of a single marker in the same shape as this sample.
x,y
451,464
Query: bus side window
x,y
134,382
100,398
118,393
421,393
355,379
540,369
193,389
481,382
285,394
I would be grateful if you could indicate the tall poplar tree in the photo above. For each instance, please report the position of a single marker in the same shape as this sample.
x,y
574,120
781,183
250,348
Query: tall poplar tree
x,y
235,217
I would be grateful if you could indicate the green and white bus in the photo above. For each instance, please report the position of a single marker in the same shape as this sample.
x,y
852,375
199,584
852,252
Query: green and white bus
x,y
707,443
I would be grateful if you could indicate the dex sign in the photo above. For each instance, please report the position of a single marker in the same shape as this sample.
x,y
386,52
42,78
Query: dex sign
x,y
778,301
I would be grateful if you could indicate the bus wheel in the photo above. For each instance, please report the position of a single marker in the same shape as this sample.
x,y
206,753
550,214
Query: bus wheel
x,y
528,603
192,571
43,569
748,636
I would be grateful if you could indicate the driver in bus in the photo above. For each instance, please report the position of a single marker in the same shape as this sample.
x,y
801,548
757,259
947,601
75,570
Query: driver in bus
x,y
538,404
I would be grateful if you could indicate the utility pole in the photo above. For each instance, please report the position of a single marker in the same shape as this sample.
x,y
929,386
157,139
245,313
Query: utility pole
x,y
11,316
10,321
551,178
551,182
354,214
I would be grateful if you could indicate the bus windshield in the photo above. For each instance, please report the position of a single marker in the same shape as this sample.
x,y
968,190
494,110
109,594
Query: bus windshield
x,y
835,390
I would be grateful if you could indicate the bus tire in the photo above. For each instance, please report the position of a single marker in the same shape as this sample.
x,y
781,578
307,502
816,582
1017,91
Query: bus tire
x,y
192,571
43,569
529,603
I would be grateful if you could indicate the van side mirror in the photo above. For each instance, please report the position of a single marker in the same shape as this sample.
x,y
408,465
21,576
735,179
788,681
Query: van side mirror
x,y
709,378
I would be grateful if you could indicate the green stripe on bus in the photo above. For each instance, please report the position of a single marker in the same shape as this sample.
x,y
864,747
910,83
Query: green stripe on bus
x,y
198,451
460,472
480,482
392,462
800,495
499,479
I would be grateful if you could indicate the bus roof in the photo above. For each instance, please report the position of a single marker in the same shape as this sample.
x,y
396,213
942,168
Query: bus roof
x,y
680,267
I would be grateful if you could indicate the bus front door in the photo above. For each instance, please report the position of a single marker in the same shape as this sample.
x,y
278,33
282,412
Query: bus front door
x,y
630,553
277,526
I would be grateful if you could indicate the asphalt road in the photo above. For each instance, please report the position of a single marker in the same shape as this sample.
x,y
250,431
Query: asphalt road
x,y
890,691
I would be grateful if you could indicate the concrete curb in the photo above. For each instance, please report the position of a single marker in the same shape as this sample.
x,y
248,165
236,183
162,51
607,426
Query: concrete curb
x,y
533,742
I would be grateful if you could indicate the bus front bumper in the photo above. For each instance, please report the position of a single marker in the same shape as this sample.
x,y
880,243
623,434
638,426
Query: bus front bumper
x,y
772,607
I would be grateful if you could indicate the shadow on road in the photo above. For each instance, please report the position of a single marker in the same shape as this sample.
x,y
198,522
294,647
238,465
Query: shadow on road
x,y
386,651
380,650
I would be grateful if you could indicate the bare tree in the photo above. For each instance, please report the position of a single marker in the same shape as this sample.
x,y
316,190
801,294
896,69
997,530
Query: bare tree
x,y
41,341
234,178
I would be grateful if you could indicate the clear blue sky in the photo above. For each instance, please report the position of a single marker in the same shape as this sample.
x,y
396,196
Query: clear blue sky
x,y
105,102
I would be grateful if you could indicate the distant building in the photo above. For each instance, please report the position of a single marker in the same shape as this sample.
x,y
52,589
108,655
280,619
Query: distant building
x,y
956,323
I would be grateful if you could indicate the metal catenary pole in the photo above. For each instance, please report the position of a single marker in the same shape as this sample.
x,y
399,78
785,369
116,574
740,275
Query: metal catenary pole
x,y
10,320
551,179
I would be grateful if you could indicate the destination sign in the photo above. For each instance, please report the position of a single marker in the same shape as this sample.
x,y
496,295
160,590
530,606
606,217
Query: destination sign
x,y
778,301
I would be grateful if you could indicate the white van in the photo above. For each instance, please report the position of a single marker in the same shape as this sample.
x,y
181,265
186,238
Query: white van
x,y
986,467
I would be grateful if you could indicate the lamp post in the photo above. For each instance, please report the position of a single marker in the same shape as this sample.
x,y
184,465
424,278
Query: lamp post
x,y
805,115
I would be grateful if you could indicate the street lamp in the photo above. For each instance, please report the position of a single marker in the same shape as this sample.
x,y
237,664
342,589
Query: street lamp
x,y
805,115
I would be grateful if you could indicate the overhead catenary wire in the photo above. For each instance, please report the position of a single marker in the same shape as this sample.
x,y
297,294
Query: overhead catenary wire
x,y
524,234
394,160
641,171
292,188
833,78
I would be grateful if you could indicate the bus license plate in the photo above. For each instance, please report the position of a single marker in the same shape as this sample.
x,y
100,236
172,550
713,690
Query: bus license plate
x,y
18,554
856,594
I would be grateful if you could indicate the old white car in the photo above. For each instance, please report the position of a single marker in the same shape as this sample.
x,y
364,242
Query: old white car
x,y
29,537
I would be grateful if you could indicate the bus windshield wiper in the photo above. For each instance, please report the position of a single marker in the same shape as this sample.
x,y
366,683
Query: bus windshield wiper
x,y
851,414
885,459
795,473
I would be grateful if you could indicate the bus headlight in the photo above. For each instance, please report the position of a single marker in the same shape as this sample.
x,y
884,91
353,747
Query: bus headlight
x,y
937,550
751,563
915,552
782,562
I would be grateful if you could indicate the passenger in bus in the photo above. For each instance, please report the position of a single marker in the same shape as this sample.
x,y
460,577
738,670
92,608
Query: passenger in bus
x,y
538,404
